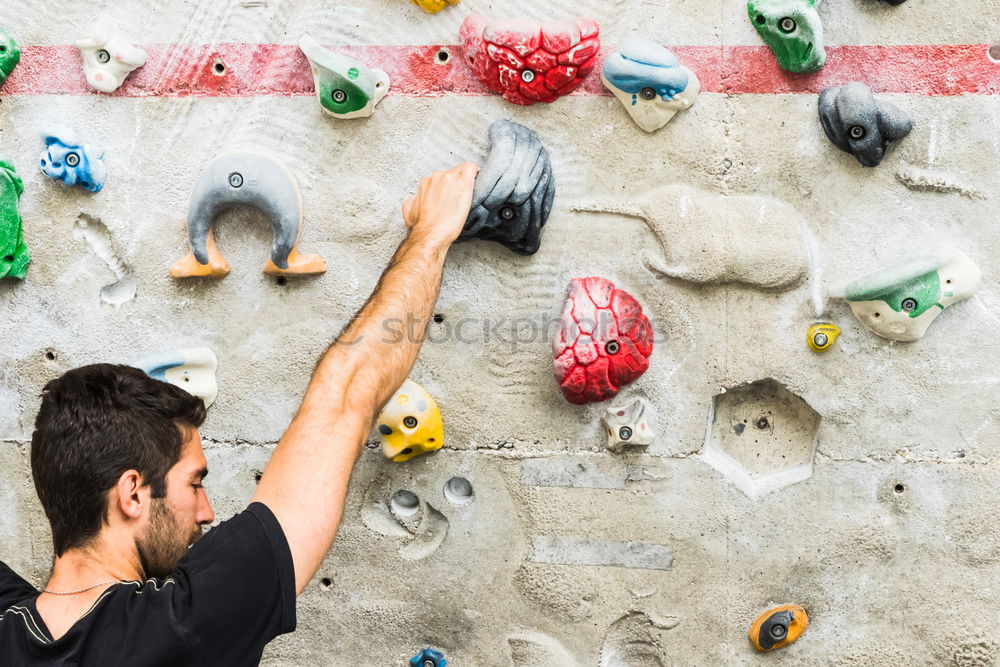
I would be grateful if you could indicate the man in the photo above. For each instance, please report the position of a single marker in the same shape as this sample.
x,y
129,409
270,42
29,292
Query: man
x,y
118,466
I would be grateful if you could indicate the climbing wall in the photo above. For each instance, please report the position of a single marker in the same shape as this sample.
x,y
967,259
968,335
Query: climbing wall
x,y
860,482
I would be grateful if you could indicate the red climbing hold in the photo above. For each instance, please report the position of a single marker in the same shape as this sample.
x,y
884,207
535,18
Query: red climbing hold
x,y
603,343
529,61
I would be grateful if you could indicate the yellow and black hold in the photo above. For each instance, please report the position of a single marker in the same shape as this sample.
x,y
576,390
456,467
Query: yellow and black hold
x,y
778,627
410,424
822,335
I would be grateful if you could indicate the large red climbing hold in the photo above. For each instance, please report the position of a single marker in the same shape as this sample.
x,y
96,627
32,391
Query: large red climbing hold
x,y
529,61
603,343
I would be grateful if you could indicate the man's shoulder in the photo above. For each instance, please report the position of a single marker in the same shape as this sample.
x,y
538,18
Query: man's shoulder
x,y
13,587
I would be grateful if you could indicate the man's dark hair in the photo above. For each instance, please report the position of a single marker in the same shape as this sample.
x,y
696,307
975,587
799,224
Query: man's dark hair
x,y
95,423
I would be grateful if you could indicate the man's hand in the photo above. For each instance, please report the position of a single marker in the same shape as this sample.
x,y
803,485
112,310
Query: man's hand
x,y
305,483
441,206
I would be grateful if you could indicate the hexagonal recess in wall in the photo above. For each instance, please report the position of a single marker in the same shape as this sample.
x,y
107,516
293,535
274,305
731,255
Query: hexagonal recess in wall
x,y
761,436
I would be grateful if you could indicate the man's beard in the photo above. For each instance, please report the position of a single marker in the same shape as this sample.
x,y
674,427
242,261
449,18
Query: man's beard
x,y
162,545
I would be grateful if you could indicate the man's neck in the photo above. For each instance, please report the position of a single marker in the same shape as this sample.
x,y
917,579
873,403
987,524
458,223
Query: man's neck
x,y
96,563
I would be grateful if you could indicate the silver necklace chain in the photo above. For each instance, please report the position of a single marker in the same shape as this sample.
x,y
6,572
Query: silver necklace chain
x,y
82,590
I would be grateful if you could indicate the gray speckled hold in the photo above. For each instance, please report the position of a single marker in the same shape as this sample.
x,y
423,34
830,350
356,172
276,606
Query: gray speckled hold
x,y
246,178
859,124
514,190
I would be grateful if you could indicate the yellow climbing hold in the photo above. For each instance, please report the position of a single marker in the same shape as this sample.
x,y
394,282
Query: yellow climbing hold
x,y
822,336
410,424
434,6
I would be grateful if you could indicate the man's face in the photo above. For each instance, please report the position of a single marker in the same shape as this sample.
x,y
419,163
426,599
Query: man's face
x,y
176,521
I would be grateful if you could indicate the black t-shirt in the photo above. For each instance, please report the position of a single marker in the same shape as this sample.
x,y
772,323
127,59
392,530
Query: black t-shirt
x,y
231,594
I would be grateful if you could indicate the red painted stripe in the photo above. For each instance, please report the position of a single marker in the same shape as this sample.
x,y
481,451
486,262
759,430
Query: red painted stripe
x,y
279,70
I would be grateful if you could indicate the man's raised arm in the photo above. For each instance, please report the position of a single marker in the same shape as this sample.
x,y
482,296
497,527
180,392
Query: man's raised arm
x,y
305,482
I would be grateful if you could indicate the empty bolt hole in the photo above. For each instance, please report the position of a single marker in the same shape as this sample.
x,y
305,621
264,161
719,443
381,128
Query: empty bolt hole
x,y
899,488
442,57
281,281
438,318
404,503
994,52
218,67
257,475
50,355
325,583
458,490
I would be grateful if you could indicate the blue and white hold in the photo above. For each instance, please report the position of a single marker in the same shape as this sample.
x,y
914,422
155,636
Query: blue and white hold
x,y
650,82
69,160
192,369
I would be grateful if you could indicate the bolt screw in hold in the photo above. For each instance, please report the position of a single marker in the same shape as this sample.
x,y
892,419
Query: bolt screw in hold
x,y
103,56
612,347
339,96
527,76
624,433
820,340
72,159
236,179
410,421
909,304
647,93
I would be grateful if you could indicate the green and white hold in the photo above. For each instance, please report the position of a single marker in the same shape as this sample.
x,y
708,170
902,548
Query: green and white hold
x,y
14,257
346,88
900,302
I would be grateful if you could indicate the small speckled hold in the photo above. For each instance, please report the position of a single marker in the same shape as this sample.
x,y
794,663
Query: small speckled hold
x,y
859,124
514,190
627,425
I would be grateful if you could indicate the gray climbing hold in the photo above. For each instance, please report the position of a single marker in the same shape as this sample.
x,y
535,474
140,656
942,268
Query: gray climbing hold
x,y
514,190
859,124
247,178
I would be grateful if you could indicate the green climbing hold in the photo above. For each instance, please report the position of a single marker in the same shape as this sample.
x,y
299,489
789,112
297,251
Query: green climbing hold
x,y
345,87
13,252
909,288
793,30
10,55
900,302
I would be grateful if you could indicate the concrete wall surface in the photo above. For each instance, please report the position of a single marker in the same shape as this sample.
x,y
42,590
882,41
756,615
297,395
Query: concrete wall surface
x,y
566,553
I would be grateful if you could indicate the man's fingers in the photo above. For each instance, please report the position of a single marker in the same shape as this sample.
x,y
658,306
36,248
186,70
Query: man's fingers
x,y
467,170
407,208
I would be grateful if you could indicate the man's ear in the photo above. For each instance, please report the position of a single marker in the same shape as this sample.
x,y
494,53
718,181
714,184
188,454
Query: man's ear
x,y
131,494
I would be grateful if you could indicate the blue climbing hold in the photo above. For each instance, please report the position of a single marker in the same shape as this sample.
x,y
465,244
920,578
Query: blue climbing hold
x,y
428,657
69,160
